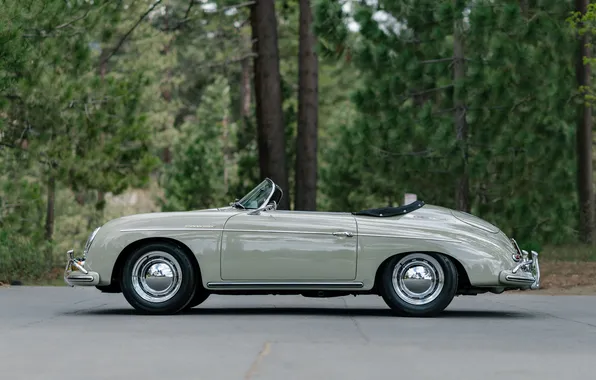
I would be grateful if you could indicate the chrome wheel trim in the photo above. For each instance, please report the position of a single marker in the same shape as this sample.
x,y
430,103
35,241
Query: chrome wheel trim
x,y
156,277
418,279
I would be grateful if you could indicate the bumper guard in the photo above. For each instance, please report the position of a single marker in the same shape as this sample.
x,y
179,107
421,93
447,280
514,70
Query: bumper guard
x,y
75,273
525,274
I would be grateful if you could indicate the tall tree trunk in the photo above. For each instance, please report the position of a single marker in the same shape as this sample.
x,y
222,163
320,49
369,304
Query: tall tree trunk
x,y
270,124
584,140
462,191
306,141
50,204
166,92
246,90
226,151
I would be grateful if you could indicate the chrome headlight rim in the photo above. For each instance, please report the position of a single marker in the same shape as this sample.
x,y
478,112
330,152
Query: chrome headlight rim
x,y
90,241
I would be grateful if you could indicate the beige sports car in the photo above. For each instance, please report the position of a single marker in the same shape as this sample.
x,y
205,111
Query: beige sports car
x,y
418,257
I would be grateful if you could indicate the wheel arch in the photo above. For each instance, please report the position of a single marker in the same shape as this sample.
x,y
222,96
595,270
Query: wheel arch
x,y
130,248
462,274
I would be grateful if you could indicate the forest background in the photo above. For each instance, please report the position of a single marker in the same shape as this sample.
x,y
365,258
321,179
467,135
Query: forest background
x,y
114,107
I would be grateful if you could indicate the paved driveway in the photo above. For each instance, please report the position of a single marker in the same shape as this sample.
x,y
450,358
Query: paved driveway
x,y
76,333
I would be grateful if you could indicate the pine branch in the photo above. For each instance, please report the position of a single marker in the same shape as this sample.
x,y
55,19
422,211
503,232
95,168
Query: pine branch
x,y
186,18
241,5
423,92
242,24
228,61
51,33
69,23
190,4
11,146
437,60
440,60
422,153
127,34
182,22
13,97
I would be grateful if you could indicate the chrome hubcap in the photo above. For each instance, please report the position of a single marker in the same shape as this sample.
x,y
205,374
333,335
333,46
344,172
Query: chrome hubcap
x,y
156,276
418,279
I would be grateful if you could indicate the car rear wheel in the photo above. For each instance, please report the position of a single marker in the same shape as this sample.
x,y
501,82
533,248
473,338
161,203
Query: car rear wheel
x,y
419,284
158,278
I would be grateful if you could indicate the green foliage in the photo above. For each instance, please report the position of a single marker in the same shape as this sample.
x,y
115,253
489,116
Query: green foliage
x,y
585,26
520,143
21,207
20,258
104,114
63,114
196,177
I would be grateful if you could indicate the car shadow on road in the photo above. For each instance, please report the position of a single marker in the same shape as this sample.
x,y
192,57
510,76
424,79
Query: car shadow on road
x,y
310,311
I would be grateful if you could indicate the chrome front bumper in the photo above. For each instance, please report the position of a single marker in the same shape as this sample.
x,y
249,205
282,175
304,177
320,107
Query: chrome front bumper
x,y
75,273
526,274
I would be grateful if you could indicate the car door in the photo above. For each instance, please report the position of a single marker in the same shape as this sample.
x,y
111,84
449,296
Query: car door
x,y
289,246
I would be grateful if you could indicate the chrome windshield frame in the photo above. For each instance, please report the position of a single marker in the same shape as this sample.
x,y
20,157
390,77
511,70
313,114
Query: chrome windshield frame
x,y
266,201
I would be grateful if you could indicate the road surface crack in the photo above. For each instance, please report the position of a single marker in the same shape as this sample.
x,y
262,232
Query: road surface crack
x,y
257,362
356,324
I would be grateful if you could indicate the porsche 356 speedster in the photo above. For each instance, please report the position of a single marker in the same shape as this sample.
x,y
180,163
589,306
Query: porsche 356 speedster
x,y
417,257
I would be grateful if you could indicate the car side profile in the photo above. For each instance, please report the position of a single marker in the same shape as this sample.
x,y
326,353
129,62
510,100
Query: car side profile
x,y
417,257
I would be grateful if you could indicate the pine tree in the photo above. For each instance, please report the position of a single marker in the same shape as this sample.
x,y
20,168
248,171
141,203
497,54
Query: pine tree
x,y
194,180
582,21
270,120
306,140
517,133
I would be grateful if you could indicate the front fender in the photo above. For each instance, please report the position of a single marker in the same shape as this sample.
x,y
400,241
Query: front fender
x,y
200,232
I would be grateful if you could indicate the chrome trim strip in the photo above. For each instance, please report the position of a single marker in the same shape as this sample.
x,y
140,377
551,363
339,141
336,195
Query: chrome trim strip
x,y
80,278
283,284
278,232
408,237
236,230
170,229
281,231
519,279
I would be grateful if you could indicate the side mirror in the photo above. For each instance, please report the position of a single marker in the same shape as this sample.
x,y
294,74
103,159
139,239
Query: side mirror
x,y
271,206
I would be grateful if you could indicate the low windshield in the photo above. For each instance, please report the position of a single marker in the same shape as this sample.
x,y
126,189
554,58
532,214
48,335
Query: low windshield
x,y
258,195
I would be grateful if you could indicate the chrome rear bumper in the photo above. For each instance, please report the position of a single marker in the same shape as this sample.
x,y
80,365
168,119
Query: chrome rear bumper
x,y
75,273
526,274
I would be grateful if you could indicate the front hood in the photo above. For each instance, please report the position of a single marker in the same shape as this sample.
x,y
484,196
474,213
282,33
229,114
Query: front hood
x,y
206,218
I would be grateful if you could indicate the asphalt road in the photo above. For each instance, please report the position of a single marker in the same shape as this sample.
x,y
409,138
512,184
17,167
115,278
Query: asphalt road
x,y
76,333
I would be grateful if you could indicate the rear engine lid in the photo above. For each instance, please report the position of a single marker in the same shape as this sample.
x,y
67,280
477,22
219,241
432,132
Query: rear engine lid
x,y
475,221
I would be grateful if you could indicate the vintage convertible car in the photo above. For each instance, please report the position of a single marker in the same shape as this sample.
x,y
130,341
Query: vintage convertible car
x,y
417,256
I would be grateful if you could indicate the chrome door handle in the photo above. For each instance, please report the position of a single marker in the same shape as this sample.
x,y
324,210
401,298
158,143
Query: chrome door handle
x,y
343,233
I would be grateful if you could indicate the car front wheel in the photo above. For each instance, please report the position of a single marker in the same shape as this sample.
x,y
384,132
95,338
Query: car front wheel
x,y
419,284
158,278
200,296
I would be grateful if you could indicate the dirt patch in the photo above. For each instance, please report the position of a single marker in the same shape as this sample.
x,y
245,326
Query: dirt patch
x,y
561,277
